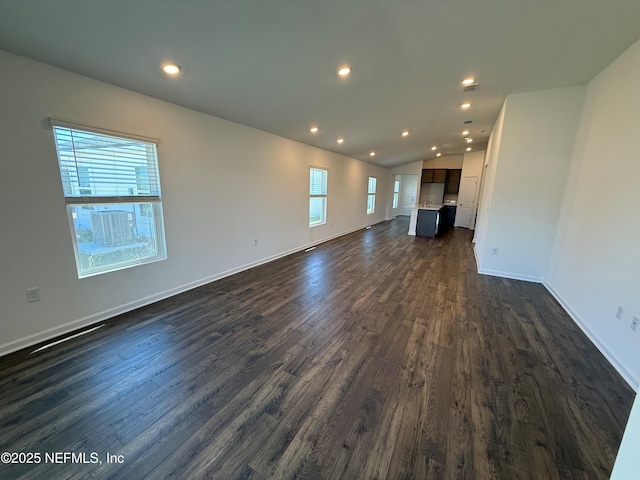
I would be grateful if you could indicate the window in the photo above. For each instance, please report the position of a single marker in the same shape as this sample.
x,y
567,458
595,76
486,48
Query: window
x,y
111,187
396,193
371,197
317,196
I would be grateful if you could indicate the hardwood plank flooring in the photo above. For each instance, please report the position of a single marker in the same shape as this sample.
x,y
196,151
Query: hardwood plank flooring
x,y
376,356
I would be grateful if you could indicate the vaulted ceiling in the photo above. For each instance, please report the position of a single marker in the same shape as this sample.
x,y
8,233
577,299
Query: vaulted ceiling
x,y
272,64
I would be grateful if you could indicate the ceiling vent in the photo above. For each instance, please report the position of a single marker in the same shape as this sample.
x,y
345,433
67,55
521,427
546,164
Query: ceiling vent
x,y
471,88
468,122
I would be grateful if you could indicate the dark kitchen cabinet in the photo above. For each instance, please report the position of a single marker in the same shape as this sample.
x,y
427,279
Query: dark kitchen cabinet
x,y
453,181
439,176
430,175
429,223
449,216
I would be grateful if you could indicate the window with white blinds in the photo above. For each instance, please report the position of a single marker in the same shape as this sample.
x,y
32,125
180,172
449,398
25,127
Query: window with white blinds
x,y
371,195
396,193
111,186
317,196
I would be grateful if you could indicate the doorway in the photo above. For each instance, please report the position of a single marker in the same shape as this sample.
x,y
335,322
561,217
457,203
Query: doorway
x,y
407,195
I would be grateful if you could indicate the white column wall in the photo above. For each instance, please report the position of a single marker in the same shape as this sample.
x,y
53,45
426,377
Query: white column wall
x,y
596,256
527,174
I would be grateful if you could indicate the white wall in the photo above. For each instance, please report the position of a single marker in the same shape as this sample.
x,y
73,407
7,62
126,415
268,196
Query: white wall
x,y
626,466
523,194
486,187
596,256
223,184
414,168
447,161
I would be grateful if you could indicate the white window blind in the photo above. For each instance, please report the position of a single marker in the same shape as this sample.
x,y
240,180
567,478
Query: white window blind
x,y
99,165
317,181
372,185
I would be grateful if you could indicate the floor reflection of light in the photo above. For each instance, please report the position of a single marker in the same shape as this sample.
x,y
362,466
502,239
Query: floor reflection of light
x,y
368,248
368,241
131,356
316,281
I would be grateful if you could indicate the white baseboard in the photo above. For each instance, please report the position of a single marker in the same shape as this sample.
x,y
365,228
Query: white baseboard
x,y
511,275
89,320
626,373
498,273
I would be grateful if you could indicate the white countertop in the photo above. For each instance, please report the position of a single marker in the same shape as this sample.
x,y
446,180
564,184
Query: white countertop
x,y
428,207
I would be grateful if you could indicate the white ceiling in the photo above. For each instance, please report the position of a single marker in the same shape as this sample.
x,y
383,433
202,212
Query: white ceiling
x,y
271,64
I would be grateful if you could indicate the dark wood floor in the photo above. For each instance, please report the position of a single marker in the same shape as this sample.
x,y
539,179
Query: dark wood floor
x,y
375,356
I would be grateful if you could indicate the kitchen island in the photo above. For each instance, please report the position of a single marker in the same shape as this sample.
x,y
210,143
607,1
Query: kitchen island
x,y
426,221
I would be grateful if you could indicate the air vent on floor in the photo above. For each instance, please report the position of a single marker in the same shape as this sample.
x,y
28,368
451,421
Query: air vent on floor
x,y
471,88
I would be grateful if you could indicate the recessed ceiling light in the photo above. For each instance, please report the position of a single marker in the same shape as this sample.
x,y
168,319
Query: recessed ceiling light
x,y
344,71
171,68
434,148
438,154
468,139
465,132
340,140
405,133
468,81
372,154
313,129
464,106
468,149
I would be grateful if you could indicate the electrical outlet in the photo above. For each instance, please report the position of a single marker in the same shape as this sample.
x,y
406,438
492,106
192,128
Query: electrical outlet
x,y
494,251
619,312
634,323
33,294
255,242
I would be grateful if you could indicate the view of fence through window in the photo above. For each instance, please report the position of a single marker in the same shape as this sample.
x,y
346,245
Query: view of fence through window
x,y
112,191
